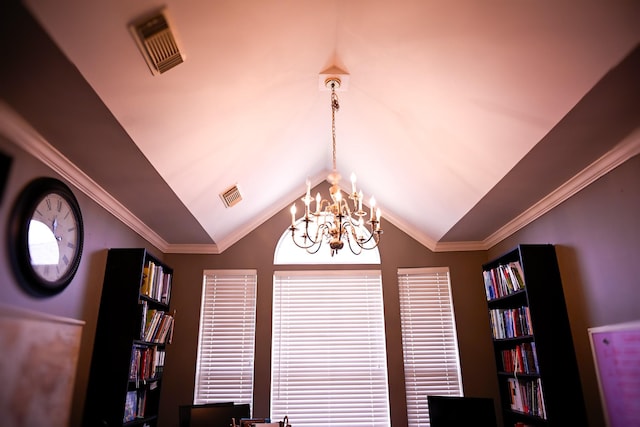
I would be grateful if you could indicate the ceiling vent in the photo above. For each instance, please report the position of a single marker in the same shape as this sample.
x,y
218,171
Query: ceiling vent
x,y
231,196
157,43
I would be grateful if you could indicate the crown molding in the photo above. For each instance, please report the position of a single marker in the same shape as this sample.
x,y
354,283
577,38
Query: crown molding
x,y
20,132
623,151
459,246
16,129
195,249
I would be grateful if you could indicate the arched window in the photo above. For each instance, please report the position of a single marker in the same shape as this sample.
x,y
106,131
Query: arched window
x,y
288,253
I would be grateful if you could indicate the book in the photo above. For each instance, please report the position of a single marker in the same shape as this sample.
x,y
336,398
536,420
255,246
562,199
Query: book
x,y
503,280
166,289
134,364
516,269
151,271
144,288
144,308
489,286
142,403
515,395
130,406
154,317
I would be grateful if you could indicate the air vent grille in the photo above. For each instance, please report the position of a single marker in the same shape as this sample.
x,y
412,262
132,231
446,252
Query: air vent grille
x,y
158,44
231,196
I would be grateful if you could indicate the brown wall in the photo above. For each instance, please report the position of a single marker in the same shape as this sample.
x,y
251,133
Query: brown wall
x,y
62,107
256,250
81,299
102,231
597,235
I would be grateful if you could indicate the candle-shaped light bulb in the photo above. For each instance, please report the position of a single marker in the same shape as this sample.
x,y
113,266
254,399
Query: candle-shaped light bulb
x,y
372,204
353,183
378,215
360,196
308,196
293,215
338,196
318,200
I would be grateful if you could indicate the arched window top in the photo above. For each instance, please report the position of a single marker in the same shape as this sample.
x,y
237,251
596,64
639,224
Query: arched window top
x,y
288,253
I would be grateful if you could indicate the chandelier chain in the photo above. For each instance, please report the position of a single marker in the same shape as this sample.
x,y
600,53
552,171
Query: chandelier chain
x,y
335,106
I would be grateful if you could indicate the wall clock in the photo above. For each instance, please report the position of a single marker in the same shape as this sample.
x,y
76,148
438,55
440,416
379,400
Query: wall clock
x,y
46,236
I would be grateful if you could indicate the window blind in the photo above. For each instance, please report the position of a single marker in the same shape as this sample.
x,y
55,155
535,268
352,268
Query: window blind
x,y
329,358
429,340
224,369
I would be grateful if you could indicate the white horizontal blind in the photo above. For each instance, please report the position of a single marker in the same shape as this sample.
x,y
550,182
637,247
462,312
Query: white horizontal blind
x,y
429,339
329,358
224,370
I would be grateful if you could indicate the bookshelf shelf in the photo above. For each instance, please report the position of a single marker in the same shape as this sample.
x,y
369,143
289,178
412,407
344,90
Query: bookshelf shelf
x,y
535,358
134,327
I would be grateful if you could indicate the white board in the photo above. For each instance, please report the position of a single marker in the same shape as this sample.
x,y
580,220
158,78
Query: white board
x,y
616,354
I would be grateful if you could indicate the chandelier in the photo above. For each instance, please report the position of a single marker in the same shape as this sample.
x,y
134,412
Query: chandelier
x,y
333,221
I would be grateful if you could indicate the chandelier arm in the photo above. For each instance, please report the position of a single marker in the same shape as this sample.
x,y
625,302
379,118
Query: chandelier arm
x,y
321,231
310,247
354,223
358,240
313,239
312,251
304,237
361,242
354,238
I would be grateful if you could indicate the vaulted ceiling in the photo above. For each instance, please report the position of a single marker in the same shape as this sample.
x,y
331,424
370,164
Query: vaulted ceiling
x,y
465,119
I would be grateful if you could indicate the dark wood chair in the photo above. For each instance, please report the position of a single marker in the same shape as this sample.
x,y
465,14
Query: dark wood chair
x,y
212,414
459,411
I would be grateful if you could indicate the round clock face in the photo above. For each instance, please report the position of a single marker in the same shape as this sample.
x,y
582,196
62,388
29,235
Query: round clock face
x,y
46,236
53,237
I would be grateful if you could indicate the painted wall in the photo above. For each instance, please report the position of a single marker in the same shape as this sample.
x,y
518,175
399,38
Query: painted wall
x,y
597,238
102,231
596,233
57,106
81,299
256,250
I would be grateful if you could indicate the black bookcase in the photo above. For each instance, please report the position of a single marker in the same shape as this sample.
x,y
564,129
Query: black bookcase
x,y
134,326
535,358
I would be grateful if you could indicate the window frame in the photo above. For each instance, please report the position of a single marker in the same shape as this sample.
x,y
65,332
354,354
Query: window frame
x,y
347,306
430,347
226,337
